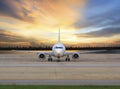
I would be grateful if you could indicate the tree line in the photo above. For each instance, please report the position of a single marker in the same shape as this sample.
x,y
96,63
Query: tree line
x,y
50,47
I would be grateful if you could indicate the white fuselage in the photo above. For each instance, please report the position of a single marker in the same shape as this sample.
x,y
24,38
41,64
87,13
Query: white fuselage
x,y
58,50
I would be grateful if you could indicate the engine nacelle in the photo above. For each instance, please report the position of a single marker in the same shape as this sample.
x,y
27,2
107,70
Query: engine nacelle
x,y
75,55
41,55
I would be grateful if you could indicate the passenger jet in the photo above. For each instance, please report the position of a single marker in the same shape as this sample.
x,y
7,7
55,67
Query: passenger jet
x,y
58,51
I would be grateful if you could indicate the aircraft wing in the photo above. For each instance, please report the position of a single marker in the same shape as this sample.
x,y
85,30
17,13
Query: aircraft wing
x,y
93,51
85,52
29,51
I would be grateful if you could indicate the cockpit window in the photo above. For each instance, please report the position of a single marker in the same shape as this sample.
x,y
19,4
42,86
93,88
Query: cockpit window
x,y
59,47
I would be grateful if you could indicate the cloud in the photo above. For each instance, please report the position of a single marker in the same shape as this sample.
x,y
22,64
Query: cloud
x,y
43,12
101,21
38,19
106,32
14,9
12,38
7,36
99,14
25,20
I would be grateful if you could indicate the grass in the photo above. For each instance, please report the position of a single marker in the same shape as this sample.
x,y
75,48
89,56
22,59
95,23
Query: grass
x,y
55,87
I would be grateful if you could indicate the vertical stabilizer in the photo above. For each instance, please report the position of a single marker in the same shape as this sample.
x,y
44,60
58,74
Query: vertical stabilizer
x,y
59,35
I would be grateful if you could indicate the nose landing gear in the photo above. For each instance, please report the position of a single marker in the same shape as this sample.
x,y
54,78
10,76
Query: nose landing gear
x,y
50,58
67,58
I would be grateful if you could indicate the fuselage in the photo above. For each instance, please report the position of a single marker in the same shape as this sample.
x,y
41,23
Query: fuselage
x,y
58,50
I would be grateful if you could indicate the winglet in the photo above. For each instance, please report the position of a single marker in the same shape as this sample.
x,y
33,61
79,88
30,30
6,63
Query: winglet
x,y
59,35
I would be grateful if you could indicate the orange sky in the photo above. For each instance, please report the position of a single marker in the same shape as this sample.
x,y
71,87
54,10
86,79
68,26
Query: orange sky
x,y
38,21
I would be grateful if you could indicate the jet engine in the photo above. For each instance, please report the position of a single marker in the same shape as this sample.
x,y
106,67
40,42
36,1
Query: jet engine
x,y
41,55
75,55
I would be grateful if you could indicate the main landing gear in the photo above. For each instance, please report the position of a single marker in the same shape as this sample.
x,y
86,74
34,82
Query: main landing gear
x,y
67,58
50,58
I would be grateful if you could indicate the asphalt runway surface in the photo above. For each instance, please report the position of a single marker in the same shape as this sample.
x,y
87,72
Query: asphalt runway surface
x,y
90,69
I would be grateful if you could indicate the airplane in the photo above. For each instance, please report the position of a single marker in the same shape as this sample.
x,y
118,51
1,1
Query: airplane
x,y
58,51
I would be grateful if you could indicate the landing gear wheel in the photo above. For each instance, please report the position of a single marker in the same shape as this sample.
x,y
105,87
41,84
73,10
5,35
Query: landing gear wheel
x,y
67,59
50,59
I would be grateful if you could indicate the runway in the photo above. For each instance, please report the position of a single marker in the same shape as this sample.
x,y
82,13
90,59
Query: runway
x,y
60,82
28,69
62,64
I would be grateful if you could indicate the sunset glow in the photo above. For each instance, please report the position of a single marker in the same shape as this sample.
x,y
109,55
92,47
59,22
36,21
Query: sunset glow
x,y
31,22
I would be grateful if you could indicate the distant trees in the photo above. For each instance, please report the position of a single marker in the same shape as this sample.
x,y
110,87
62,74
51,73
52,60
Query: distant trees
x,y
50,47
69,46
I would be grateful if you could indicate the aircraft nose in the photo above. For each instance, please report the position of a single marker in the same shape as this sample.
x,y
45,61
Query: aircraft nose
x,y
58,51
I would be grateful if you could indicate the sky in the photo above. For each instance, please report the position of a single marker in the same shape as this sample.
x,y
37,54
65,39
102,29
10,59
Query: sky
x,y
32,22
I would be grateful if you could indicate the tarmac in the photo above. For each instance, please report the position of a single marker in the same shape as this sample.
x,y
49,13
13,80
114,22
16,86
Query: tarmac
x,y
90,69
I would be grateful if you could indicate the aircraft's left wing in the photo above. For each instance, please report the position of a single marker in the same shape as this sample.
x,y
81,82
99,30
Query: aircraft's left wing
x,y
76,55
36,52
85,52
93,51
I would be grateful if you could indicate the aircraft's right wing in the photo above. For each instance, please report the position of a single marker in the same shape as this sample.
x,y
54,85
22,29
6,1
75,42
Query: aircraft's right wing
x,y
29,51
40,54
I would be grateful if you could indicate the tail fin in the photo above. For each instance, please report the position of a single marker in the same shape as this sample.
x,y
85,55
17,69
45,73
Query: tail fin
x,y
59,36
